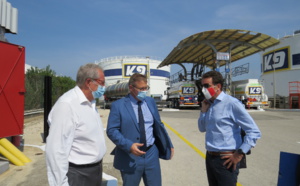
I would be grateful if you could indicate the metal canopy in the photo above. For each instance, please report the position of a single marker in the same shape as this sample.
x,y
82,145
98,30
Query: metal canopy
x,y
201,48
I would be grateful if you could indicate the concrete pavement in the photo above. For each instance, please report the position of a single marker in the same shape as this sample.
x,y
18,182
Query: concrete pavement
x,y
280,132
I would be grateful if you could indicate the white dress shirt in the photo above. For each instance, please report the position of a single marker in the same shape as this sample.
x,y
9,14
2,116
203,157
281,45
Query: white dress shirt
x,y
76,135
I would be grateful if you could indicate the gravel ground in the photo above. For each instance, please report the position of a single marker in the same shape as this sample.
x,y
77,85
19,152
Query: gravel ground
x,y
34,172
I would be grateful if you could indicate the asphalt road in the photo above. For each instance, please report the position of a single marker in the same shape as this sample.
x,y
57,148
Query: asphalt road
x,y
280,132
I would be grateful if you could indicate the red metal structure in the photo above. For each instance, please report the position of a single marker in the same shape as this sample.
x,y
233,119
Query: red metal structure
x,y
294,94
12,89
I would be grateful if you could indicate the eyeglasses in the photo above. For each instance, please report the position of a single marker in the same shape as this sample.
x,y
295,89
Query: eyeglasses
x,y
99,83
206,85
142,89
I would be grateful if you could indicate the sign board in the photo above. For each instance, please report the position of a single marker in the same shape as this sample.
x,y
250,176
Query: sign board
x,y
130,69
188,90
255,90
277,59
223,56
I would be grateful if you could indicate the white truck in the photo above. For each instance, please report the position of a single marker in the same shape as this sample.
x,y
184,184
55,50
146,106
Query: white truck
x,y
183,94
250,92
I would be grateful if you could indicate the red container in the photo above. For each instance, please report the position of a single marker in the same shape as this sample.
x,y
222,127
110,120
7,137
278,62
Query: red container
x,y
12,89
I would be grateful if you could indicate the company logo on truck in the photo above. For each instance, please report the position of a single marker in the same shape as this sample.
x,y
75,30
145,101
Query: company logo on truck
x,y
255,90
130,69
278,59
188,90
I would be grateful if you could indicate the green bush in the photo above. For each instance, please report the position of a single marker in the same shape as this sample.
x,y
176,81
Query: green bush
x,y
34,85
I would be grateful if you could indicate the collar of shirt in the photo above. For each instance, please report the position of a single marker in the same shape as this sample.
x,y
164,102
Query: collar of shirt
x,y
133,100
82,98
219,98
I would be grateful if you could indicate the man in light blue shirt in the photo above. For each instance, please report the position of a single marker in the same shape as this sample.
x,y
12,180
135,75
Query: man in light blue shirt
x,y
222,118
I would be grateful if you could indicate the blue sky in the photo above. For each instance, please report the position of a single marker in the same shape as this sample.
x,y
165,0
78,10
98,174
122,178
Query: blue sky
x,y
68,33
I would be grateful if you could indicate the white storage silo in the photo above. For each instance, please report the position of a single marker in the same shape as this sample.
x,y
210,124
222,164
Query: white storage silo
x,y
120,68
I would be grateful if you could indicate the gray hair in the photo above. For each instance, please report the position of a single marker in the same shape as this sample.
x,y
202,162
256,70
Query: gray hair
x,y
86,71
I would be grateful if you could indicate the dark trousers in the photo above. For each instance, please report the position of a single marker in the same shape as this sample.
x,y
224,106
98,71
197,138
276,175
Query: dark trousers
x,y
85,176
218,174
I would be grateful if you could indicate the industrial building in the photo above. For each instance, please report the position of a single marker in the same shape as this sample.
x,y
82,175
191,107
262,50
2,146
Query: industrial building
x,y
281,72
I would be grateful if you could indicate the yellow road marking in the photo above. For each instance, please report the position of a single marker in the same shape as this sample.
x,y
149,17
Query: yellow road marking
x,y
189,144
185,140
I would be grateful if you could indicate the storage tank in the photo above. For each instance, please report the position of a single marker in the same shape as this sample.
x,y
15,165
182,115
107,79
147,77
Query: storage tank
x,y
118,70
117,90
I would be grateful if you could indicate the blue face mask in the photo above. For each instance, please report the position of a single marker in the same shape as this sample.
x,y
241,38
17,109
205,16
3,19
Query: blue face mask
x,y
99,92
141,95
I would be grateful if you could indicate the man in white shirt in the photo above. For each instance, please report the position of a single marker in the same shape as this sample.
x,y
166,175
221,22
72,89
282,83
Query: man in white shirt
x,y
76,144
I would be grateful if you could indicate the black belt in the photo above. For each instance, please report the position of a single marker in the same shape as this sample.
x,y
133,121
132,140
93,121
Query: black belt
x,y
149,147
220,153
85,165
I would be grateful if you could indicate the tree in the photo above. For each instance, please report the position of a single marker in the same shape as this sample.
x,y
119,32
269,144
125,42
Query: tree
x,y
60,85
34,84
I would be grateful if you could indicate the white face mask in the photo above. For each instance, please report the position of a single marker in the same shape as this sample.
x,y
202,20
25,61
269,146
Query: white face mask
x,y
208,92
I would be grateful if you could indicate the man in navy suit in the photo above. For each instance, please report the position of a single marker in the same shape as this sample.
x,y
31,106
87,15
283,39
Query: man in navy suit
x,y
134,126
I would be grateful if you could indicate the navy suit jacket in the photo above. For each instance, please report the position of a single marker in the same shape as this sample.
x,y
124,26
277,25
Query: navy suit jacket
x,y
123,130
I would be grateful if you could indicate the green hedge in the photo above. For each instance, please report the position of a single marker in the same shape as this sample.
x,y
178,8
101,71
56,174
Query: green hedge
x,y
34,85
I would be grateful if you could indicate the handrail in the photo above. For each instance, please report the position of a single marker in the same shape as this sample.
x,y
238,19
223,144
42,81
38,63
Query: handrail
x,y
31,112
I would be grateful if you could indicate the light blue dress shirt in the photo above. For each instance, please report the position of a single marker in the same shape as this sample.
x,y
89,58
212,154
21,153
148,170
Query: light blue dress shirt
x,y
148,118
223,122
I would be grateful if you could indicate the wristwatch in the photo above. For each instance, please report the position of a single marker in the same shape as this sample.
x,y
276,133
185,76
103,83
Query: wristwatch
x,y
240,151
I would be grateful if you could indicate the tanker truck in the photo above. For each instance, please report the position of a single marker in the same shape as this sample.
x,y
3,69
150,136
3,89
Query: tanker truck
x,y
115,92
183,91
183,94
251,93
120,89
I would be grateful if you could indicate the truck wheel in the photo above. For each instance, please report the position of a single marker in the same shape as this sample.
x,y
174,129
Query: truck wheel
x,y
172,104
177,104
106,106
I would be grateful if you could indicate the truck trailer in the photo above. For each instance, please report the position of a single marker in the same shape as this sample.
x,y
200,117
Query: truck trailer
x,y
121,89
183,94
251,92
